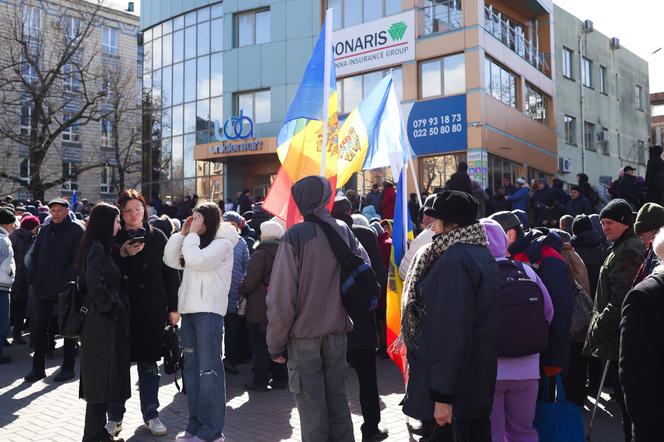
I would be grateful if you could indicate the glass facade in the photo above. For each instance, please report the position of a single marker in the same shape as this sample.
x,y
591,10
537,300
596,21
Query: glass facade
x,y
182,96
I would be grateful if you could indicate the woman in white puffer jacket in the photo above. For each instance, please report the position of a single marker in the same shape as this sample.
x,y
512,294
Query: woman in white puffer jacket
x,y
204,250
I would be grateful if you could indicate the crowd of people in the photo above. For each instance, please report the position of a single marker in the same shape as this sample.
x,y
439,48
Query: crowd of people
x,y
244,288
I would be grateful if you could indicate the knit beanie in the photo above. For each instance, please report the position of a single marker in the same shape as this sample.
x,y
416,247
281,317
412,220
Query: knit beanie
x,y
650,217
582,223
618,210
7,216
29,222
271,230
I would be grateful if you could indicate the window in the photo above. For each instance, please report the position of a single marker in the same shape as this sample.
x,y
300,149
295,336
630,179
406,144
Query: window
x,y
108,179
351,90
570,130
26,117
252,27
603,80
436,170
568,65
71,133
25,171
69,171
72,28
349,13
203,30
255,105
500,83
106,132
589,135
443,76
638,97
70,79
31,21
109,42
642,154
603,140
29,73
587,72
536,104
442,15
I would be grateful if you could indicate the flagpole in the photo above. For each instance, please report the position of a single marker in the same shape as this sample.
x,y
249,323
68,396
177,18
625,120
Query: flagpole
x,y
404,206
327,67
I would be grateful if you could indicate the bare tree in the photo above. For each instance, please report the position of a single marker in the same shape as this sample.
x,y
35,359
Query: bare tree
x,y
121,126
49,87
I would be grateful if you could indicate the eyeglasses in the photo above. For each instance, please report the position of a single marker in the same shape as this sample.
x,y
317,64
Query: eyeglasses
x,y
137,210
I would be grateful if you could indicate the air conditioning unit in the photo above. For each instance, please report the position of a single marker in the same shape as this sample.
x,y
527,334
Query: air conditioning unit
x,y
565,165
604,136
615,43
588,26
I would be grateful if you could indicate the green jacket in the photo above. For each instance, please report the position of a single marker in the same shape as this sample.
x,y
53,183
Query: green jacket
x,y
615,281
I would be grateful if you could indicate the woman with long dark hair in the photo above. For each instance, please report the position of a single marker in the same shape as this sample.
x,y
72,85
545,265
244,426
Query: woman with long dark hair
x,y
105,332
152,288
204,250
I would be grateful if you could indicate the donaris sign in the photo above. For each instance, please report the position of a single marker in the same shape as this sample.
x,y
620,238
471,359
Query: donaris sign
x,y
373,45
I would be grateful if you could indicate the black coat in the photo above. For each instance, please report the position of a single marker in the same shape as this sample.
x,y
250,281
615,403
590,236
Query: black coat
x,y
579,206
456,354
364,334
152,288
642,357
21,241
539,202
105,333
53,258
627,190
590,248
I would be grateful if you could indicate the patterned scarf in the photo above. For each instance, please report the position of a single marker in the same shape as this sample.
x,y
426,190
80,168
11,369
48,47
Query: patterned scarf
x,y
412,308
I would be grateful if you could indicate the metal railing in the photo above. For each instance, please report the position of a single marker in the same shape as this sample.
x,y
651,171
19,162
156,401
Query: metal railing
x,y
513,36
441,16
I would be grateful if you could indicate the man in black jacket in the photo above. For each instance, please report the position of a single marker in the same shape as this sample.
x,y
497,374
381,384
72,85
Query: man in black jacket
x,y
52,265
363,339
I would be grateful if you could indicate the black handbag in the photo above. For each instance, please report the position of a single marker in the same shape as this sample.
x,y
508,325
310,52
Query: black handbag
x,y
71,310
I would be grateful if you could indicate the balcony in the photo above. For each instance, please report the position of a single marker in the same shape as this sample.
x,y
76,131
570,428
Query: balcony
x,y
440,16
513,35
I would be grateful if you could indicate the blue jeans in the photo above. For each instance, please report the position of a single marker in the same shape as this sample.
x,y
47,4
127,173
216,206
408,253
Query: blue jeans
x,y
4,317
148,389
201,335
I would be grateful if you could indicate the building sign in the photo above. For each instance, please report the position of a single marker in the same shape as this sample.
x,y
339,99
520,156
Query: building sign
x,y
478,166
437,126
234,128
380,43
251,145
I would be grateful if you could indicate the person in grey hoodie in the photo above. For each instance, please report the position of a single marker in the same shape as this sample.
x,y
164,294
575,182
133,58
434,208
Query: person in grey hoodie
x,y
305,314
7,273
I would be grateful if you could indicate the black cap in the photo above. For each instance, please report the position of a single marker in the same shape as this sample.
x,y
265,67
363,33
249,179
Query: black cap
x,y
507,220
341,204
60,202
618,210
428,202
7,216
454,206
628,169
582,223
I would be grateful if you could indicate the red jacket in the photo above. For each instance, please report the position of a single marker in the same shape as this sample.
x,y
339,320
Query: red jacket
x,y
388,202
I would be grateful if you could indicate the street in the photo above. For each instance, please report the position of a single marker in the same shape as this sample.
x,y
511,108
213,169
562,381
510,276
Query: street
x,y
46,411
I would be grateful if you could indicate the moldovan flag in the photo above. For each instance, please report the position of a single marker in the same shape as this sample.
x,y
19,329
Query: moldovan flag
x,y
372,135
300,139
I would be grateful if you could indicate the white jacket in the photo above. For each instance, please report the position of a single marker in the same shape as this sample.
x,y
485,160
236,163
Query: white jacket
x,y
207,272
424,238
7,264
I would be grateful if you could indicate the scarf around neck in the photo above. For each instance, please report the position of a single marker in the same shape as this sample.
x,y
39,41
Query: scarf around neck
x,y
412,307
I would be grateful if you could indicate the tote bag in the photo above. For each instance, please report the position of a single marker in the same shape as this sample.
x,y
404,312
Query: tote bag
x,y
558,421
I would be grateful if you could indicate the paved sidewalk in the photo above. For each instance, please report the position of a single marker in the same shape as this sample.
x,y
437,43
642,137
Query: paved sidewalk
x,y
46,411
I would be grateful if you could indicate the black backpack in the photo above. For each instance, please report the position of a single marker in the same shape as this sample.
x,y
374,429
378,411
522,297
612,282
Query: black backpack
x,y
71,310
523,327
359,286
172,351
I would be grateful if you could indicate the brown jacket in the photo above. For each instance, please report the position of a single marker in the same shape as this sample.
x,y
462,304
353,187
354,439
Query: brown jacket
x,y
256,280
577,267
304,300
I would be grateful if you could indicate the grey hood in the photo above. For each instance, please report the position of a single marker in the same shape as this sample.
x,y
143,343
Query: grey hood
x,y
311,194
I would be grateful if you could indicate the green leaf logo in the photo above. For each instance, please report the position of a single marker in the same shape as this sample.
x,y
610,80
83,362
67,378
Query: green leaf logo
x,y
397,30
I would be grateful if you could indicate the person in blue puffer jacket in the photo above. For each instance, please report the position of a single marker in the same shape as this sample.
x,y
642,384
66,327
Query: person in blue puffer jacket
x,y
233,322
520,199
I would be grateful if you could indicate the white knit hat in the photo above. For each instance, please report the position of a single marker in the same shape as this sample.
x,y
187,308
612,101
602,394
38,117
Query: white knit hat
x,y
271,230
